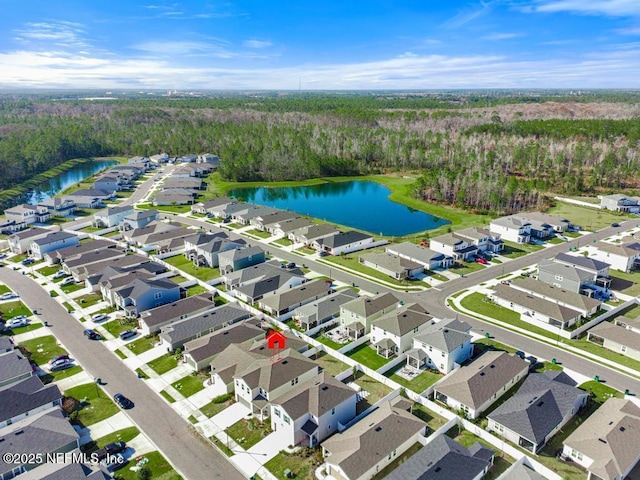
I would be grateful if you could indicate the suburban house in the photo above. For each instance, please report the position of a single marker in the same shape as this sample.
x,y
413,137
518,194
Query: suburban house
x,y
521,471
8,227
616,338
606,443
571,278
631,324
139,219
282,302
114,278
259,272
441,346
396,267
587,306
254,291
209,158
54,257
138,160
14,367
186,183
599,269
557,224
52,241
95,274
143,294
176,334
266,379
542,405
474,388
367,447
90,198
263,221
453,245
19,242
203,248
227,209
140,236
26,398
323,310
533,308
151,321
482,239
512,228
392,334
307,235
358,314
283,229
187,158
343,242
621,256
45,433
199,352
239,258
109,182
6,345
159,158
203,208
173,197
444,458
429,259
539,228
312,411
59,207
167,241
72,265
243,213
28,214
619,203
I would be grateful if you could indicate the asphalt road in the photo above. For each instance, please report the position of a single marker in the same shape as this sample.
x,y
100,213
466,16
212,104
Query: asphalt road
x,y
434,299
173,436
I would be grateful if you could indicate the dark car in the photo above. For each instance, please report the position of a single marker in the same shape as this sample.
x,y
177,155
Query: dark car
x,y
322,253
291,265
91,334
127,334
533,361
27,261
57,358
109,449
520,353
122,401
116,462
615,225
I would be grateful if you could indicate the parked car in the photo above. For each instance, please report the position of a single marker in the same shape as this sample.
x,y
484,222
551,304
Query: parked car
x,y
15,322
615,225
61,365
92,334
520,353
128,334
481,260
291,265
99,317
322,253
67,281
122,401
59,274
8,296
109,449
27,261
3,256
58,358
533,361
114,462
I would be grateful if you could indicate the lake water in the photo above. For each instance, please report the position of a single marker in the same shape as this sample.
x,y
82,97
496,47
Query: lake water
x,y
53,186
358,204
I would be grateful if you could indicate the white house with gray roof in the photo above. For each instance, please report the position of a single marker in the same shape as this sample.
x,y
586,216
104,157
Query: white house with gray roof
x,y
571,278
442,346
239,258
367,447
255,273
314,410
323,310
176,334
557,224
151,321
139,219
482,238
539,409
396,267
14,367
454,245
203,249
145,293
282,302
343,242
474,388
27,398
28,213
606,444
203,207
620,203
20,242
621,256
283,229
616,338
271,284
512,228
429,259
308,234
266,220
392,334
587,306
53,241
358,314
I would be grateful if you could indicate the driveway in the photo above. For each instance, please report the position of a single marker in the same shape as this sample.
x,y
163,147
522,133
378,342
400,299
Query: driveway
x,y
263,451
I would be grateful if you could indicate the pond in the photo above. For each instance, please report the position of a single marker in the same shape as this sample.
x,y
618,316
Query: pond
x,y
51,187
360,204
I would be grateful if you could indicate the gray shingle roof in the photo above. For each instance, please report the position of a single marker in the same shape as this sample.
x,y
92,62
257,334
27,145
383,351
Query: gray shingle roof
x,y
629,249
13,365
403,320
444,459
30,232
61,471
343,238
325,307
316,231
26,395
54,237
216,202
139,286
415,252
93,256
581,261
175,310
556,293
141,214
522,472
537,407
214,343
262,270
537,304
391,262
475,384
444,335
301,293
511,221
367,306
73,250
617,334
266,374
567,271
264,286
6,343
240,253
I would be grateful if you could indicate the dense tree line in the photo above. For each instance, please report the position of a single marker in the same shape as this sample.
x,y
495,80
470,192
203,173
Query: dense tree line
x,y
499,159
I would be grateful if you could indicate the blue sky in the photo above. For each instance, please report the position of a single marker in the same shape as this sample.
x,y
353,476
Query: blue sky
x,y
351,44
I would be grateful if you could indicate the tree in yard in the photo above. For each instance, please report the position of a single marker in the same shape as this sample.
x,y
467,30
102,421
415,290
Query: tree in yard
x,y
144,473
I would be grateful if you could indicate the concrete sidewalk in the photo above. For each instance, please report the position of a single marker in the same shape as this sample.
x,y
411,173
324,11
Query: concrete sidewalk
x,y
105,427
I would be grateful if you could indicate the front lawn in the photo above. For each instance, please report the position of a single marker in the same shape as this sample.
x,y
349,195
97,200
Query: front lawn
x,y
88,300
158,466
142,344
247,433
167,396
329,364
124,435
13,309
42,349
258,233
436,275
352,262
367,356
201,273
46,271
418,383
515,250
307,250
74,287
188,385
97,407
302,464
4,289
283,242
217,405
118,325
60,374
465,268
590,219
600,392
26,328
163,364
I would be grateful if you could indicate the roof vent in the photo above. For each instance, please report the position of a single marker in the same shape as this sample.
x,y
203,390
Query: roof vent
x,y
482,374
325,388
20,432
438,469
540,404
226,333
378,429
284,362
603,441
492,366
622,429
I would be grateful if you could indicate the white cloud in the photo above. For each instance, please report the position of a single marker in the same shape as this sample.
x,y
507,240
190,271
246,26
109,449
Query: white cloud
x,y
257,43
629,31
59,33
501,36
612,68
611,8
469,14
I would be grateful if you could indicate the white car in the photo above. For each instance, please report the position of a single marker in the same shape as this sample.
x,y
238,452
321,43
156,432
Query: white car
x,y
15,322
8,296
59,274
67,281
99,317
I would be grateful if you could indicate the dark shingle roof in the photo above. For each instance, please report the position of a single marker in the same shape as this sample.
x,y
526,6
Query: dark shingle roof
x,y
175,310
202,323
13,365
26,395
214,343
343,238
54,237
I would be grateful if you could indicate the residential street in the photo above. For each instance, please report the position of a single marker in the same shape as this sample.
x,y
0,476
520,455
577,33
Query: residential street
x,y
172,435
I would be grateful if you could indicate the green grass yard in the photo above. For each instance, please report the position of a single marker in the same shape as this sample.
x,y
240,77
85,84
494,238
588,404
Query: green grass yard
x,y
46,271
590,219
60,374
283,242
418,383
188,385
195,290
247,433
432,419
98,405
163,364
258,233
217,405
367,356
89,299
331,365
302,464
158,465
352,262
183,263
124,435
13,309
42,349
74,287
117,325
167,396
142,344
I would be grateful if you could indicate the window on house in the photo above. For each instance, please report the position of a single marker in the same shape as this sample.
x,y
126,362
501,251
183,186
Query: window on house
x,y
276,412
559,278
333,411
286,419
623,349
157,295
